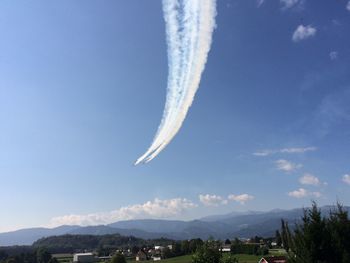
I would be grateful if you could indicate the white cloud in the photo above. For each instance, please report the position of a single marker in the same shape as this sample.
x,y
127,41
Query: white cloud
x,y
287,166
309,179
298,150
212,200
348,6
264,153
346,178
268,152
333,55
242,199
286,4
303,32
152,209
301,193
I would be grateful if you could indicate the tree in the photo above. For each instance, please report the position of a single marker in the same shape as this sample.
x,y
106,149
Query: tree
x,y
285,235
118,258
195,244
319,239
176,249
167,253
278,238
229,258
208,253
135,249
185,247
53,260
42,255
3,255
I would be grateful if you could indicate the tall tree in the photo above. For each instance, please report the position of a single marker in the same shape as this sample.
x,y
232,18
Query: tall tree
x,y
278,238
319,239
42,255
118,258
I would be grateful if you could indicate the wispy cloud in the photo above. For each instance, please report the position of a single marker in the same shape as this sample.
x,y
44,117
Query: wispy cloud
x,y
303,32
333,110
242,198
346,178
212,200
259,2
302,193
189,29
333,55
287,166
268,152
309,179
264,152
286,4
152,209
348,6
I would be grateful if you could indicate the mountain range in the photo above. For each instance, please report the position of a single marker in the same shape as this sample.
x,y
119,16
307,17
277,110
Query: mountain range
x,y
235,224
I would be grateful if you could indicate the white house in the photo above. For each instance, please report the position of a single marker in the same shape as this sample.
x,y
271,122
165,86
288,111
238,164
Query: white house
x,y
141,256
225,248
158,247
84,258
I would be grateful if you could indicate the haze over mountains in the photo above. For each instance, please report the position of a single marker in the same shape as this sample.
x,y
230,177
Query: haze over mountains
x,y
231,225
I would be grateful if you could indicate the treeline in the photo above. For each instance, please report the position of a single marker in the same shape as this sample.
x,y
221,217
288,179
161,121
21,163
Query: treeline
x,y
317,238
250,249
26,255
76,243
210,252
180,248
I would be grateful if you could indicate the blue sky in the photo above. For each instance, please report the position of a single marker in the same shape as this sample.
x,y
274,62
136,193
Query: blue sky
x,y
82,91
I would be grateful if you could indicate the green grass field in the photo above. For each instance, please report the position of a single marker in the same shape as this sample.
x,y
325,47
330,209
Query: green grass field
x,y
247,258
188,259
242,258
181,259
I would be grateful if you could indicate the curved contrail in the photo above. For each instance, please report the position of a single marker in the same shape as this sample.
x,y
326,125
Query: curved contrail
x,y
189,28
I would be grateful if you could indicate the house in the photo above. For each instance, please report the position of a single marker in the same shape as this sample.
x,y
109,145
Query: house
x,y
225,248
104,258
141,256
277,259
84,258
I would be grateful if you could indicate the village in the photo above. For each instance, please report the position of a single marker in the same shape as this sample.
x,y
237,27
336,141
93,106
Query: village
x,y
263,251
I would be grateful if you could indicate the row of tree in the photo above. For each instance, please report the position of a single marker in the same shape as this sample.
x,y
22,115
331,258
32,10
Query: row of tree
x,y
40,255
210,252
104,244
318,239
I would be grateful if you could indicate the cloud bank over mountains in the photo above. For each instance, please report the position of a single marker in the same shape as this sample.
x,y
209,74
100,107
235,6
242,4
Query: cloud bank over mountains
x,y
152,209
156,209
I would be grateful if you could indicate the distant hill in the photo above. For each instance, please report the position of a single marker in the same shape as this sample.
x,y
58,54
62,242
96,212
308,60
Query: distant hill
x,y
29,235
108,230
221,226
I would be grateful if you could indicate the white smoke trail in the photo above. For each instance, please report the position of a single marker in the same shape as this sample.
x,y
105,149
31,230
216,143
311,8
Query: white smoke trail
x,y
189,28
